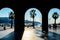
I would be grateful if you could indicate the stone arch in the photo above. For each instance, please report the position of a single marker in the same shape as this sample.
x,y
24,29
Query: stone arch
x,y
27,13
4,14
51,20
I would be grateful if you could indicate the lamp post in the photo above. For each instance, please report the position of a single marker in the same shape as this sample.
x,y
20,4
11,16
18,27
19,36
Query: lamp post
x,y
55,16
33,14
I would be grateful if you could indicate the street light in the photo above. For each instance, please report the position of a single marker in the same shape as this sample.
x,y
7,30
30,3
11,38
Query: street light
x,y
33,14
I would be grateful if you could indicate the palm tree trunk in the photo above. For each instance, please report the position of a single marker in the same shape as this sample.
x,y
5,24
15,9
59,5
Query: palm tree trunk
x,y
11,23
4,27
55,21
33,23
55,24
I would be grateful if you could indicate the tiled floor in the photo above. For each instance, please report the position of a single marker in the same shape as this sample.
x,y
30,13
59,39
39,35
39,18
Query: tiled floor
x,y
10,36
35,34
7,34
29,34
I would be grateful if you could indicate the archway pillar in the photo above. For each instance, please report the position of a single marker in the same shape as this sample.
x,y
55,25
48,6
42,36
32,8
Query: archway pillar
x,y
44,24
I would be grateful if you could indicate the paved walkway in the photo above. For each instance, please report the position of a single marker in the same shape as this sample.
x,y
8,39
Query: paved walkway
x,y
57,31
29,34
4,33
35,34
10,36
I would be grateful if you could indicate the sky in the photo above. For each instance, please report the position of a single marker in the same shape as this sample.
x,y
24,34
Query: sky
x,y
4,12
38,16
50,13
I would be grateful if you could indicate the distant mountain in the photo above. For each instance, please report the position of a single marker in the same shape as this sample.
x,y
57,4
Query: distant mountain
x,y
27,21
4,20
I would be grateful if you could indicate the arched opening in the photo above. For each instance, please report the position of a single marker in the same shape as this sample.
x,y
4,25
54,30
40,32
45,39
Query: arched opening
x,y
32,24
7,17
54,23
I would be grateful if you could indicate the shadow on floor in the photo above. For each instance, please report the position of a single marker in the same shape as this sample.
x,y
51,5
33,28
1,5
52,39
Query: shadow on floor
x,y
8,37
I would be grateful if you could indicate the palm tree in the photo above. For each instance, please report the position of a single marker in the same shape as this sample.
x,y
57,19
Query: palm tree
x,y
32,14
55,16
12,17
